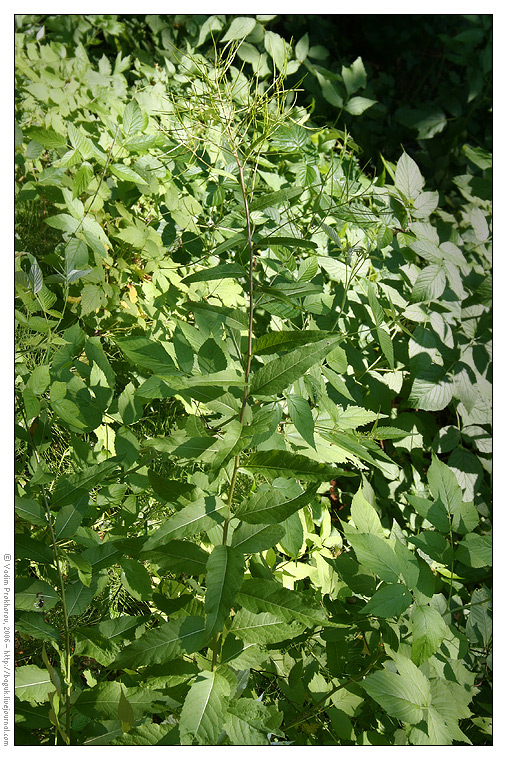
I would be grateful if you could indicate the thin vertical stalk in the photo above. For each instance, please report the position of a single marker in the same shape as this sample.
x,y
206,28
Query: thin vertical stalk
x,y
68,681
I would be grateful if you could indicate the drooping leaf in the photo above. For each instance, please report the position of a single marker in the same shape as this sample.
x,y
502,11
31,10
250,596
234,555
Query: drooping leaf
x,y
168,641
224,576
273,504
32,684
396,695
202,515
251,539
408,178
389,601
275,463
263,628
429,630
276,375
260,595
204,709
147,353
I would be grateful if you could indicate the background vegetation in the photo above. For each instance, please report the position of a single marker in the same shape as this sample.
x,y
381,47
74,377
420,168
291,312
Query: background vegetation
x,y
253,380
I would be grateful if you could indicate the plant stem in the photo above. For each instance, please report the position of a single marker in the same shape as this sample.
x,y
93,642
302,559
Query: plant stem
x,y
68,680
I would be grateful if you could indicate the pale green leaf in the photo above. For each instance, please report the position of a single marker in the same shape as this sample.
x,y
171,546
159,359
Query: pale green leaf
x,y
164,643
408,178
202,515
429,630
274,503
240,27
277,374
389,601
224,576
263,628
251,539
204,709
32,684
261,595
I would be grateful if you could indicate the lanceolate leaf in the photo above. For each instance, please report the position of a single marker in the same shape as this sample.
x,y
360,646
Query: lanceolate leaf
x,y
220,272
263,627
271,505
203,514
256,538
260,595
224,576
274,463
277,374
147,353
285,340
204,709
168,641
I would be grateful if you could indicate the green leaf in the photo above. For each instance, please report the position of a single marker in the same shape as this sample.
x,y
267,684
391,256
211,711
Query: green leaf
x,y
133,120
126,174
48,138
276,375
240,27
430,283
354,76
125,713
33,624
179,557
285,340
444,485
386,345
475,551
32,684
274,463
364,516
277,48
220,272
301,415
432,389
249,722
147,353
376,554
408,178
69,488
210,357
261,595
251,539
289,242
135,578
358,105
29,593
274,503
30,511
103,700
398,697
202,515
204,709
429,630
389,601
274,199
63,222
263,628
224,576
170,640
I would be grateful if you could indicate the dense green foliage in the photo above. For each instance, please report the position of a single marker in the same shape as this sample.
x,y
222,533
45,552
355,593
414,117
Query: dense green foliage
x,y
253,385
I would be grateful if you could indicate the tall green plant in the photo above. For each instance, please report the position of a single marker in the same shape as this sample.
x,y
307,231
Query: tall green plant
x,y
233,300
